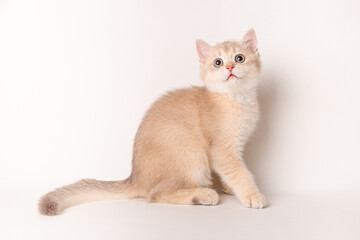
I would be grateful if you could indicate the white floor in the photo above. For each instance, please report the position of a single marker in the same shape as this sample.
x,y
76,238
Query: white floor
x,y
288,217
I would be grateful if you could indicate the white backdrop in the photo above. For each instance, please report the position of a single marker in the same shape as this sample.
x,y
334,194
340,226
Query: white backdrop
x,y
77,76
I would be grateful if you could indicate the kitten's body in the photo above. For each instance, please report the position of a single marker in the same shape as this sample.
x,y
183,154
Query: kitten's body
x,y
185,137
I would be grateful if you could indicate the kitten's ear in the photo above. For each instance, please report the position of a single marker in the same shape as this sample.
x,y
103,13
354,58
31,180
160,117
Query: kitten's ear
x,y
250,41
203,50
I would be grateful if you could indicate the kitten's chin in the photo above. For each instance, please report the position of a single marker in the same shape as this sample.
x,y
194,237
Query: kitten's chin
x,y
233,85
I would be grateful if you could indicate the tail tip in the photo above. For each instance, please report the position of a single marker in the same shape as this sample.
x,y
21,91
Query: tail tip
x,y
48,206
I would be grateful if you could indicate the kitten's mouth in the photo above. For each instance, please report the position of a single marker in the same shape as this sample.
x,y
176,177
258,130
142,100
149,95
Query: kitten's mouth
x,y
231,75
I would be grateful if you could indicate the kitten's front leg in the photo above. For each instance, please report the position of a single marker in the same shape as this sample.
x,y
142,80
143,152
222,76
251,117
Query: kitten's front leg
x,y
231,168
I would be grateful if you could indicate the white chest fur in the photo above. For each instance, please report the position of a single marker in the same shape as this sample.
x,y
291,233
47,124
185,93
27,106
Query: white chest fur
x,y
247,116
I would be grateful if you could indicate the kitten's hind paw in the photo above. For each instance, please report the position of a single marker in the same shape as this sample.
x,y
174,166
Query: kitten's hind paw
x,y
206,197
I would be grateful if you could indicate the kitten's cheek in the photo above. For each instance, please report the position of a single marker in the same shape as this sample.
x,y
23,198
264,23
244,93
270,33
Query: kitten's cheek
x,y
239,74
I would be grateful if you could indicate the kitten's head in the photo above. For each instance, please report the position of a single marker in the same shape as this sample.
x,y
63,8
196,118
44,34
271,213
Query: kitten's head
x,y
230,67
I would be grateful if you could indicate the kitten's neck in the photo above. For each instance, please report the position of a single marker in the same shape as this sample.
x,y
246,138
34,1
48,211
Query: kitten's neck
x,y
246,97
244,93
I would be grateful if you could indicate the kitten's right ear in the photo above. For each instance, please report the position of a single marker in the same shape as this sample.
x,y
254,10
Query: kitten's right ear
x,y
203,50
250,41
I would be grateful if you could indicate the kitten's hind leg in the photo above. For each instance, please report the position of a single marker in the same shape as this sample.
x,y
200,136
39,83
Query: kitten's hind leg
x,y
191,196
220,185
226,189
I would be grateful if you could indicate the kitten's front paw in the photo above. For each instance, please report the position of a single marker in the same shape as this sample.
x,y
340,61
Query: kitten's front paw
x,y
255,200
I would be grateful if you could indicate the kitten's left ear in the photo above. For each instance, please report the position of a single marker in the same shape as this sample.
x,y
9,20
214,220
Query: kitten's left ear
x,y
250,41
203,50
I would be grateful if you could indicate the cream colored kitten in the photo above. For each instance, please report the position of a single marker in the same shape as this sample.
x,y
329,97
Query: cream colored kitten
x,y
187,136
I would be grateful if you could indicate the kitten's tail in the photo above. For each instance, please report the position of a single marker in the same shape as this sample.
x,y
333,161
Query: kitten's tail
x,y
84,191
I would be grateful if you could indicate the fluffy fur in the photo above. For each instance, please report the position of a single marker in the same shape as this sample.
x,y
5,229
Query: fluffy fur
x,y
187,137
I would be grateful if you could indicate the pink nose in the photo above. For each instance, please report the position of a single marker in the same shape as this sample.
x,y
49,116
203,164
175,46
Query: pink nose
x,y
230,68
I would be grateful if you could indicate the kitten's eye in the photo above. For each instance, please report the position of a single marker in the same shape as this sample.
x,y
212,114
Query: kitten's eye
x,y
218,63
239,58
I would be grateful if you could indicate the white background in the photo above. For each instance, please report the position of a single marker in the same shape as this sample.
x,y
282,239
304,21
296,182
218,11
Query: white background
x,y
76,77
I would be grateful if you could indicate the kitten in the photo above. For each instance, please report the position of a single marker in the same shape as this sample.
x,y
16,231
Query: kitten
x,y
187,136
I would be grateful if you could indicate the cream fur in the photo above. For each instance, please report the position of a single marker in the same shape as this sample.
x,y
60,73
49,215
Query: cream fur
x,y
187,137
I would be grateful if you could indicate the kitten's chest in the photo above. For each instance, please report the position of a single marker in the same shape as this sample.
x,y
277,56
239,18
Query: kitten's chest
x,y
246,116
237,117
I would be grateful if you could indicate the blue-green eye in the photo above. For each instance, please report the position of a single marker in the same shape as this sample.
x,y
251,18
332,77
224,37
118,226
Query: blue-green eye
x,y
239,58
218,63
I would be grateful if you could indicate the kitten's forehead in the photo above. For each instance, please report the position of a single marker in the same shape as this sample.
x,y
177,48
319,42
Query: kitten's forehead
x,y
227,48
